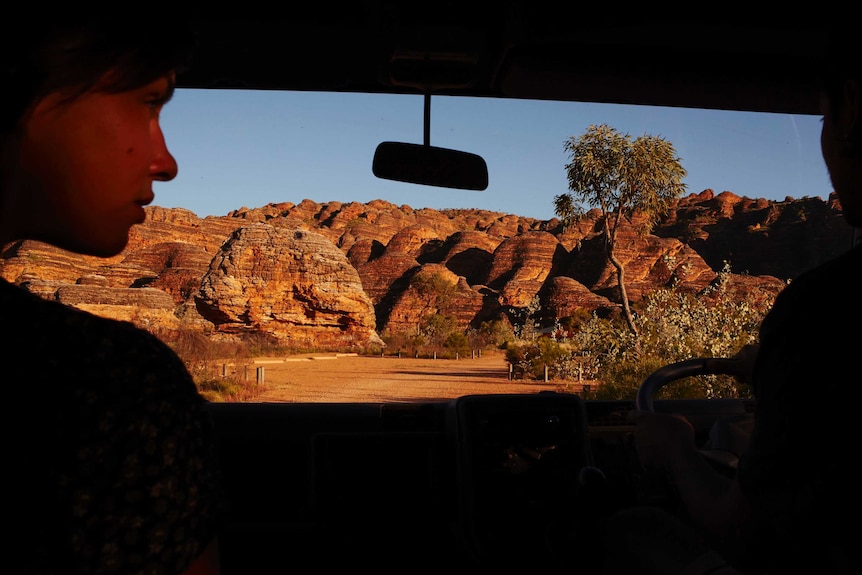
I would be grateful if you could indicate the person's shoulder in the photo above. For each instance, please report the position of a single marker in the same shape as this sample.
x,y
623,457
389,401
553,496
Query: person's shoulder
x,y
826,297
845,264
67,336
42,313
836,278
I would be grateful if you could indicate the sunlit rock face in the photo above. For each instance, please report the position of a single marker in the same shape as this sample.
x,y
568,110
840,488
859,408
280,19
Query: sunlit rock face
x,y
334,275
521,265
292,284
450,295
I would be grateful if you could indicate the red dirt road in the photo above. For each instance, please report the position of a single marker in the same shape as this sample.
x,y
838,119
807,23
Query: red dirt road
x,y
333,378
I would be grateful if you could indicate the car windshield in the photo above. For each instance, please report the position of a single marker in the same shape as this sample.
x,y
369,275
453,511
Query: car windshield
x,y
276,247
249,148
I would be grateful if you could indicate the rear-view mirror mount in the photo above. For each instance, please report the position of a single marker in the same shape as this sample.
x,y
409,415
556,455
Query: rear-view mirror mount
x,y
430,165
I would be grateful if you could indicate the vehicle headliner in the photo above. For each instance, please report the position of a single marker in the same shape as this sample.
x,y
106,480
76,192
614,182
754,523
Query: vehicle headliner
x,y
515,49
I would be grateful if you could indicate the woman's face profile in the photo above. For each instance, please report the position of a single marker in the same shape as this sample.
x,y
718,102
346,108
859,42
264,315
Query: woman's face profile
x,y
85,167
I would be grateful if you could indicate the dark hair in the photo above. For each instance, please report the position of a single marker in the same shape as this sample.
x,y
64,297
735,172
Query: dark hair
x,y
40,57
841,60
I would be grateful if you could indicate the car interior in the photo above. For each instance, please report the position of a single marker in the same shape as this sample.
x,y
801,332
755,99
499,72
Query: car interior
x,y
492,481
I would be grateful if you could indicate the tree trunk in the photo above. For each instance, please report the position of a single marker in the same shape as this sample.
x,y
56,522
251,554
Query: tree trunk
x,y
610,241
624,298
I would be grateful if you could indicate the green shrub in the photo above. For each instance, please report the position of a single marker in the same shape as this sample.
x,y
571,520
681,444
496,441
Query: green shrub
x,y
457,342
672,327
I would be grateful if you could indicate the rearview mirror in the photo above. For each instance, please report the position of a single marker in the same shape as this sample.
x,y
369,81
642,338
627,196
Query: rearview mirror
x,y
429,165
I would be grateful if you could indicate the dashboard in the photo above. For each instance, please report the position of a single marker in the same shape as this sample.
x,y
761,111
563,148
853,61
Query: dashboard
x,y
484,481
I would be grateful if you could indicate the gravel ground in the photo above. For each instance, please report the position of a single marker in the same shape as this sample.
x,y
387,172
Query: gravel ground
x,y
332,378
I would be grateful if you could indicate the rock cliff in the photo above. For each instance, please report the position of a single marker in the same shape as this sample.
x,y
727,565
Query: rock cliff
x,y
338,275
290,284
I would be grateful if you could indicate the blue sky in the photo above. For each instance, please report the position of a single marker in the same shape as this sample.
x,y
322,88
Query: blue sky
x,y
250,148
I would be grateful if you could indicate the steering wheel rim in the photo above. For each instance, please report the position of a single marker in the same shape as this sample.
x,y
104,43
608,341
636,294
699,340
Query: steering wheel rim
x,y
686,368
658,489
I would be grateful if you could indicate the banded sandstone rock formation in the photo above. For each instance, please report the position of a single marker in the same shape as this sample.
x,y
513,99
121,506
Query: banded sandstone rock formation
x,y
334,275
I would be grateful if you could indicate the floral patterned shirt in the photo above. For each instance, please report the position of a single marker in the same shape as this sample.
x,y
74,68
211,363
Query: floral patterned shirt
x,y
112,459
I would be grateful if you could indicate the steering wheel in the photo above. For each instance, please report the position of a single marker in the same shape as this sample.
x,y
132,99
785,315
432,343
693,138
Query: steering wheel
x,y
658,488
689,367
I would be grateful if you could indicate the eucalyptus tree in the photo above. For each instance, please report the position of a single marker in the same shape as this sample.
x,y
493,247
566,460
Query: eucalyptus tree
x,y
620,176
